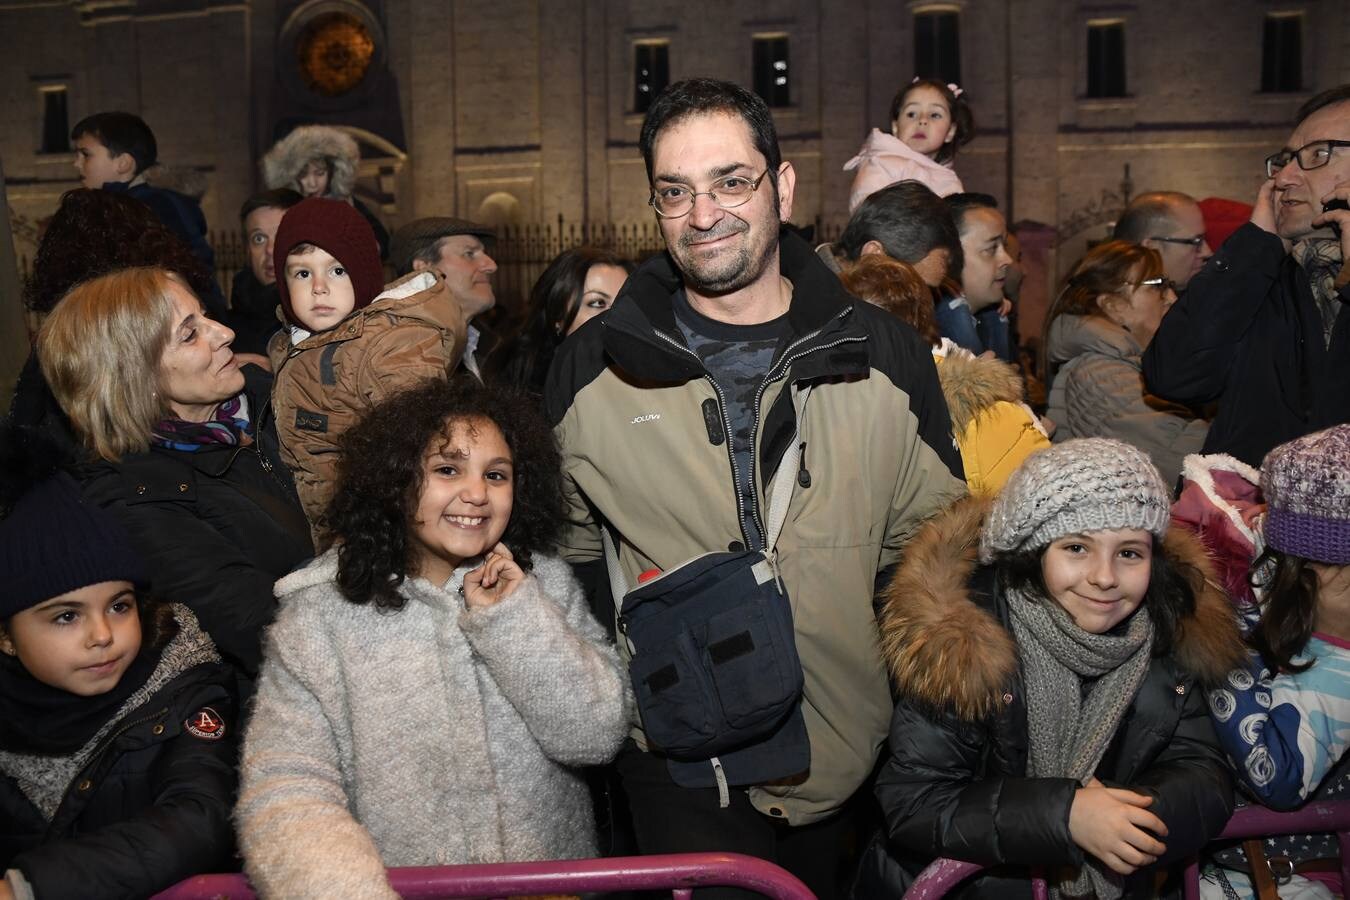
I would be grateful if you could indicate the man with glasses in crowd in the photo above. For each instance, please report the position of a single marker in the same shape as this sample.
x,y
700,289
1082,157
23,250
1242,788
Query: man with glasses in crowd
x,y
674,410
1171,223
1263,328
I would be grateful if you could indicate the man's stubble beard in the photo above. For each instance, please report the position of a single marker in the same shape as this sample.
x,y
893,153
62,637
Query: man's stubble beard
x,y
745,266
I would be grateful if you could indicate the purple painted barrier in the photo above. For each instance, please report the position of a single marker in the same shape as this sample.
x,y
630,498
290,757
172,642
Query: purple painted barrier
x,y
678,872
942,876
1258,821
1315,818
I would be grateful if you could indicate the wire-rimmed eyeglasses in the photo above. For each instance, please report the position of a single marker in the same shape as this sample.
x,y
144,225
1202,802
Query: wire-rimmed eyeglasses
x,y
728,192
1190,241
1313,155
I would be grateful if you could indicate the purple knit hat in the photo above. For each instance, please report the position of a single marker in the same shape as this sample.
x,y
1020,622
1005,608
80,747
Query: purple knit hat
x,y
1307,484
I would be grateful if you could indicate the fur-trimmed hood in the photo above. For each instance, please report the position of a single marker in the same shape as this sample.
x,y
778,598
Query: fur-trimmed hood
x,y
185,180
288,156
971,384
946,652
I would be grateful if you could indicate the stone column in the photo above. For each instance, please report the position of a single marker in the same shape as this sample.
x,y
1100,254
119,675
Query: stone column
x,y
13,330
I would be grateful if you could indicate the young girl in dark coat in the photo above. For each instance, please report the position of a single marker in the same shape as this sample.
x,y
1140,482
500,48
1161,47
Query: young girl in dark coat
x,y
1050,709
117,718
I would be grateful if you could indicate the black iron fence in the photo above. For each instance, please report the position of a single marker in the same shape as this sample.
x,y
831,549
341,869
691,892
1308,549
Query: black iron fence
x,y
522,251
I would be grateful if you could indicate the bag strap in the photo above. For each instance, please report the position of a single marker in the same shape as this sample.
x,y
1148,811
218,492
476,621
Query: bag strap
x,y
780,495
618,585
1262,880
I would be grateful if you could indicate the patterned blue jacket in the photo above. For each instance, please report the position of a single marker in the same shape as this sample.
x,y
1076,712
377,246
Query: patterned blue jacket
x,y
1285,733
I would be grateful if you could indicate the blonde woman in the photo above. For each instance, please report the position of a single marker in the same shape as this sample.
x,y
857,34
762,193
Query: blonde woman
x,y
179,444
1095,336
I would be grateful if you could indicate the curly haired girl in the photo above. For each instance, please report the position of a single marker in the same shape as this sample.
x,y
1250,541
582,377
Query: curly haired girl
x,y
432,681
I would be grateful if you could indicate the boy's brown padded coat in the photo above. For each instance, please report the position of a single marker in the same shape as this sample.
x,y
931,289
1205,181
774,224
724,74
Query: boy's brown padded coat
x,y
413,331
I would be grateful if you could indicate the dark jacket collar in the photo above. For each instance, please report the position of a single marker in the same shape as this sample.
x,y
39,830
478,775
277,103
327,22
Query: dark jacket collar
x,y
643,317
252,299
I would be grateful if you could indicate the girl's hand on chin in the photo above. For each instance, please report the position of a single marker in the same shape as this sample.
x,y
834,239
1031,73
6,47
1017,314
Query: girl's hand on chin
x,y
497,578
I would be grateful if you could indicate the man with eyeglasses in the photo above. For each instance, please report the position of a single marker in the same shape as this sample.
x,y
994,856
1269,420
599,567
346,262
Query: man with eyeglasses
x,y
674,411
1263,328
1171,223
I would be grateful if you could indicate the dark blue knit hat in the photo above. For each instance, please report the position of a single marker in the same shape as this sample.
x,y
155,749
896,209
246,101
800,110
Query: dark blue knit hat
x,y
52,543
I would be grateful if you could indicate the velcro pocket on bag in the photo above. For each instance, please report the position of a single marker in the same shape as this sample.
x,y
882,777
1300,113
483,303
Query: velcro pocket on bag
x,y
673,696
750,670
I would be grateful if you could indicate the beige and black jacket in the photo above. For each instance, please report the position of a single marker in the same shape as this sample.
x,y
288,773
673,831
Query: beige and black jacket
x,y
644,438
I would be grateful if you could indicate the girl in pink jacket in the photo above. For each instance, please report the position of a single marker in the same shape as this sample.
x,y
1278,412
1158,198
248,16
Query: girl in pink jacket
x,y
929,121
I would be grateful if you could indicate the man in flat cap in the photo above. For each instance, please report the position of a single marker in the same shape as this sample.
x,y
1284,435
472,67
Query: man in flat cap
x,y
459,251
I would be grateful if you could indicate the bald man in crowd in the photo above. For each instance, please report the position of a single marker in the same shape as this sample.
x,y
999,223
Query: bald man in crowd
x,y
1171,223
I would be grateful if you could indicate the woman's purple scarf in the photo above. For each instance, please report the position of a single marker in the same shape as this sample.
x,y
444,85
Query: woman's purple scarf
x,y
229,425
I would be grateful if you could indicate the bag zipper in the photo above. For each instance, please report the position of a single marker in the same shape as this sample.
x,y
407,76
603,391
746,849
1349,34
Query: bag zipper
x,y
726,429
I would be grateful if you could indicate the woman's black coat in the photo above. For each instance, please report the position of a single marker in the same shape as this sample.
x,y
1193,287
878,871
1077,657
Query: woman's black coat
x,y
217,527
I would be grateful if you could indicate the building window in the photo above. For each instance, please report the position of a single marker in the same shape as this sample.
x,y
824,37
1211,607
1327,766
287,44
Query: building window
x,y
771,69
651,72
335,51
937,45
55,119
1106,59
1282,53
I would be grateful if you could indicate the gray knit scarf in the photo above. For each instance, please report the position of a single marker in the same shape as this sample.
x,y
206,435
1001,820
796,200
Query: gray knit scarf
x,y
1068,733
1320,260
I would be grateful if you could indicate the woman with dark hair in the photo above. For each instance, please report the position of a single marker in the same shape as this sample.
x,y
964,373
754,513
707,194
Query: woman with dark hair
x,y
1095,335
434,680
578,285
93,233
178,442
96,232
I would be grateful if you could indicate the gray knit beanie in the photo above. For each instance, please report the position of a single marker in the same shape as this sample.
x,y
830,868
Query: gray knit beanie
x,y
1088,484
1307,484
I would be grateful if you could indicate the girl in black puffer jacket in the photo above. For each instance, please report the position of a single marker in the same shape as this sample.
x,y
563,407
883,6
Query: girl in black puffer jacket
x,y
1050,711
117,717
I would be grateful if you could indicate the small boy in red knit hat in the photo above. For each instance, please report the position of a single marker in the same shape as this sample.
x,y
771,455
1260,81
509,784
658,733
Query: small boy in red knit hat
x,y
350,342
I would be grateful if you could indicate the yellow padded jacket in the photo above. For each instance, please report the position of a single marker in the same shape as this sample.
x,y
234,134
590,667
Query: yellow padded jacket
x,y
994,429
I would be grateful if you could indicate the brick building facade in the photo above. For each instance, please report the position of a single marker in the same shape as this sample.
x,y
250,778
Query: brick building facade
x,y
529,110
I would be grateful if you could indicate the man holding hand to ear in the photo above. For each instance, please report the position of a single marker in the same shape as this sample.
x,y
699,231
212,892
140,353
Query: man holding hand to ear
x,y
1263,328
